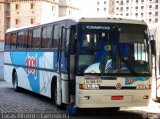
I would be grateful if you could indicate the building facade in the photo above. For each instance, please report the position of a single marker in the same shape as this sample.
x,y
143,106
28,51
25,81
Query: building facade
x,y
4,18
34,12
67,7
105,7
149,10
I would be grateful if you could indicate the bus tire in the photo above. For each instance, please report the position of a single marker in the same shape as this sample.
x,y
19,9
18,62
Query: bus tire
x,y
54,94
15,82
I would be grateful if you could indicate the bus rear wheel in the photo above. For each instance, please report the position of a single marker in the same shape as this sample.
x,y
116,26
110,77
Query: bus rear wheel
x,y
15,82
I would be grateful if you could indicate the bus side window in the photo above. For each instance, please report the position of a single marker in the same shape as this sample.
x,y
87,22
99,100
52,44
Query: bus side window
x,y
66,42
27,39
36,38
46,36
72,39
20,40
8,41
13,40
55,36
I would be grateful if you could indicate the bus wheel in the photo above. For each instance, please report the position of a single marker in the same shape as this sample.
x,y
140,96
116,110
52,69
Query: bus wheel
x,y
54,97
60,106
15,82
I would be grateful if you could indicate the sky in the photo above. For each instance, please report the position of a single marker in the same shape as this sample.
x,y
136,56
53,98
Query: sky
x,y
87,6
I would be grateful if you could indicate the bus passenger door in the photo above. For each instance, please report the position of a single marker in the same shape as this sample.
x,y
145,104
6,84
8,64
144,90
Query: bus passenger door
x,y
71,51
66,67
59,70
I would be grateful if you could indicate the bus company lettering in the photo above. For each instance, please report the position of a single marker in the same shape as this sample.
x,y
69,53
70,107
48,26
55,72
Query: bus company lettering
x,y
31,62
98,27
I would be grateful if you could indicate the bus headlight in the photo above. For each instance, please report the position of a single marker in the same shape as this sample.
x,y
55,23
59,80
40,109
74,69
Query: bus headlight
x,y
89,86
143,86
92,86
95,86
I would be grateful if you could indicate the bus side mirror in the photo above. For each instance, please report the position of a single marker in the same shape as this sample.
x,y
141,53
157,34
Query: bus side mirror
x,y
153,47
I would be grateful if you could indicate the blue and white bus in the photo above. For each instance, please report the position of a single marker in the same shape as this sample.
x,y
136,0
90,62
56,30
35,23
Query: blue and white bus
x,y
86,62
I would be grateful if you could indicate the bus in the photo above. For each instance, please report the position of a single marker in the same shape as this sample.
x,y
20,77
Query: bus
x,y
86,62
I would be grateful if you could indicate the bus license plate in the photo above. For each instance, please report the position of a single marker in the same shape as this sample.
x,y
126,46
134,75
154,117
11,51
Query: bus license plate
x,y
117,97
93,81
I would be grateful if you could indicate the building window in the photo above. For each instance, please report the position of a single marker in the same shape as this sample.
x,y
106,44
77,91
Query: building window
x,y
136,14
52,8
127,14
121,2
150,6
70,12
156,1
104,2
156,13
127,1
156,6
32,21
141,14
97,3
142,0
117,8
142,7
136,7
150,13
156,20
32,5
121,8
97,9
17,6
17,21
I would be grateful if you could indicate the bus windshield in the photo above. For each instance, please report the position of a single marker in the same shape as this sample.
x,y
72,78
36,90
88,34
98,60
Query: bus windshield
x,y
113,49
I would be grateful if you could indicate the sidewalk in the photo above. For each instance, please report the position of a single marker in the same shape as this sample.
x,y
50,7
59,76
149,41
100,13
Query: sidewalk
x,y
4,84
152,111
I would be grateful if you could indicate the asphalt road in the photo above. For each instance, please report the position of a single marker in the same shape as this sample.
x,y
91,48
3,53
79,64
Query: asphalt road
x,y
27,105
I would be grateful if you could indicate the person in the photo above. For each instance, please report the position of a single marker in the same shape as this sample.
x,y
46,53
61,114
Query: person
x,y
101,54
91,43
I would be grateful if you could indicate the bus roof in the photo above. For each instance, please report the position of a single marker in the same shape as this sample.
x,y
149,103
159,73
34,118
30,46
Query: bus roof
x,y
100,19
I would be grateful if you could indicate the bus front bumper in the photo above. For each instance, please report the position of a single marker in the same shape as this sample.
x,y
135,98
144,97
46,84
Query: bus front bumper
x,y
112,98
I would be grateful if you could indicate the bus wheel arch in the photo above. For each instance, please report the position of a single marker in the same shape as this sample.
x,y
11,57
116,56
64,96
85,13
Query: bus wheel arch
x,y
53,88
54,93
14,71
15,80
